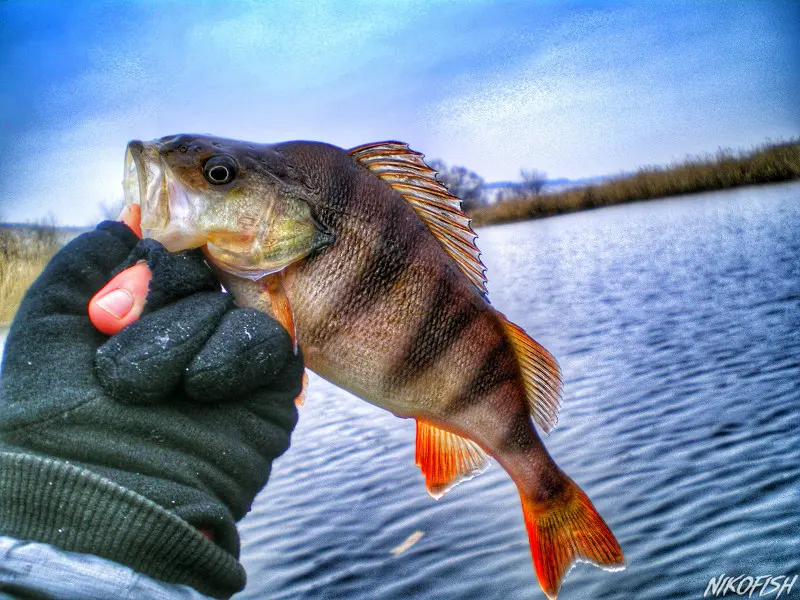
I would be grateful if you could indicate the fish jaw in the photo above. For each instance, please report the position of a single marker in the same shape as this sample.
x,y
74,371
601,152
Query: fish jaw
x,y
168,210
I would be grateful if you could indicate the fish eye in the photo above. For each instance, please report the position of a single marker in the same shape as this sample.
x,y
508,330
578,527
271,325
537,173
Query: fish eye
x,y
220,169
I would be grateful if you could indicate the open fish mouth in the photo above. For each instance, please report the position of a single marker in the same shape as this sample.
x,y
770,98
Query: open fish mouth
x,y
144,184
167,214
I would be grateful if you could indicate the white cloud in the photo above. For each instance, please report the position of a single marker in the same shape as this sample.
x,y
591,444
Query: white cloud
x,y
606,93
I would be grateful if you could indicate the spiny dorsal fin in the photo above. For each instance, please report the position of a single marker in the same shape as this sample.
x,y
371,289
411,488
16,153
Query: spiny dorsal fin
x,y
405,171
446,459
541,374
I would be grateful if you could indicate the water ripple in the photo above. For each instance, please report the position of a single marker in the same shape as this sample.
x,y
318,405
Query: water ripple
x,y
676,324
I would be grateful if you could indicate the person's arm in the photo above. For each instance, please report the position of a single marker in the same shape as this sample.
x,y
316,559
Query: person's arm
x,y
144,447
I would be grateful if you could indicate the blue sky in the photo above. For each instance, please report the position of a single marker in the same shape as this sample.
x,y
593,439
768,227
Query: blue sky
x,y
573,89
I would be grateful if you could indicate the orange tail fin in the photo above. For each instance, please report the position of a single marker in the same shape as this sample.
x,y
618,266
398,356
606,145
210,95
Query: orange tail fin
x,y
565,530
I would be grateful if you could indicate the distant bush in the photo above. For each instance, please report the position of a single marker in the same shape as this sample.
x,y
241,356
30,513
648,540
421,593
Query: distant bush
x,y
726,169
460,182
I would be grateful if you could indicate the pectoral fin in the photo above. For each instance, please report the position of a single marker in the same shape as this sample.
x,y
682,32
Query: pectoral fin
x,y
446,459
279,302
273,286
301,397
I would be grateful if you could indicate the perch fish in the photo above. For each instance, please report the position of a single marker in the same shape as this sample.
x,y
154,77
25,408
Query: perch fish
x,y
371,265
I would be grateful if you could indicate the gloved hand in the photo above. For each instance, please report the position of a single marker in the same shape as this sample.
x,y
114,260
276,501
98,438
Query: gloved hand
x,y
186,407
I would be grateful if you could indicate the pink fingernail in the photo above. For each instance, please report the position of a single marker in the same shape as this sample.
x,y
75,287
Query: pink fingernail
x,y
117,303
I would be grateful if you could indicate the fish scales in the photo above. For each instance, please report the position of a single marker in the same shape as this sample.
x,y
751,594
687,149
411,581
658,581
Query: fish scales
x,y
399,310
369,263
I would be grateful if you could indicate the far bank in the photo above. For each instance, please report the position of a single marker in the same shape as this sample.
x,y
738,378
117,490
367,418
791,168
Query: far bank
x,y
770,163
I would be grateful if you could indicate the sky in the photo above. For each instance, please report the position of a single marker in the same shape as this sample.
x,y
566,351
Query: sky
x,y
574,89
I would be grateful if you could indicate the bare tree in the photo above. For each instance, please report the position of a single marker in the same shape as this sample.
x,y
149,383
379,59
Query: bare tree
x,y
532,181
44,233
461,182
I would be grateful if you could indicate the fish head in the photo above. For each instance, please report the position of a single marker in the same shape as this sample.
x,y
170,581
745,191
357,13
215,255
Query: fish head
x,y
241,202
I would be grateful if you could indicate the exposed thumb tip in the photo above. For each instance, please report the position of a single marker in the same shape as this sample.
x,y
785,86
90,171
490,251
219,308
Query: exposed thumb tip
x,y
131,216
112,311
121,300
118,303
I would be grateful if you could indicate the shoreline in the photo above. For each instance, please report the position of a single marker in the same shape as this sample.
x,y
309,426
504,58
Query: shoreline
x,y
639,201
774,163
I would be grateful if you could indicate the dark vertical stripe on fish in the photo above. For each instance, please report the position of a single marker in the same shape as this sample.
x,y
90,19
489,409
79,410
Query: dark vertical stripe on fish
x,y
338,194
449,313
383,268
520,435
497,368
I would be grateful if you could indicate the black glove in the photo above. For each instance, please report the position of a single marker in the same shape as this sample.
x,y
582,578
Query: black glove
x,y
187,406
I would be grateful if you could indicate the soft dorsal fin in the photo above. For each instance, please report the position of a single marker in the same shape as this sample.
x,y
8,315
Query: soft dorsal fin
x,y
405,171
541,374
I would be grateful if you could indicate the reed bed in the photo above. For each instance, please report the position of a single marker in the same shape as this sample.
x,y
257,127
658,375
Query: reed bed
x,y
24,251
765,164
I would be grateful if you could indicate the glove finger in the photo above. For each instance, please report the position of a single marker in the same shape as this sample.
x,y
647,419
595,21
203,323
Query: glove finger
x,y
121,301
144,363
175,274
276,402
77,272
278,410
247,351
51,343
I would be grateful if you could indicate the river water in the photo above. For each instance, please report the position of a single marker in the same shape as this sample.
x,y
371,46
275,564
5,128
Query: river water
x,y
677,326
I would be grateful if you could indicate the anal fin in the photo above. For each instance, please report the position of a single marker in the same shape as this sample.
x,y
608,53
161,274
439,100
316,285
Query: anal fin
x,y
446,459
541,374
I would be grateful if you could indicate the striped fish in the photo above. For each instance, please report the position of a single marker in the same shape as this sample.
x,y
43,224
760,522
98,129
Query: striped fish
x,y
372,266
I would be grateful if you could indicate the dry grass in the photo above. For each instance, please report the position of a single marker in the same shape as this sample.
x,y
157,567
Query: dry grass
x,y
765,164
24,251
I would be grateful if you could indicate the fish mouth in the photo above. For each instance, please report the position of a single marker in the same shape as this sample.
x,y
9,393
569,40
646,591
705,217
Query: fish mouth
x,y
132,183
167,214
